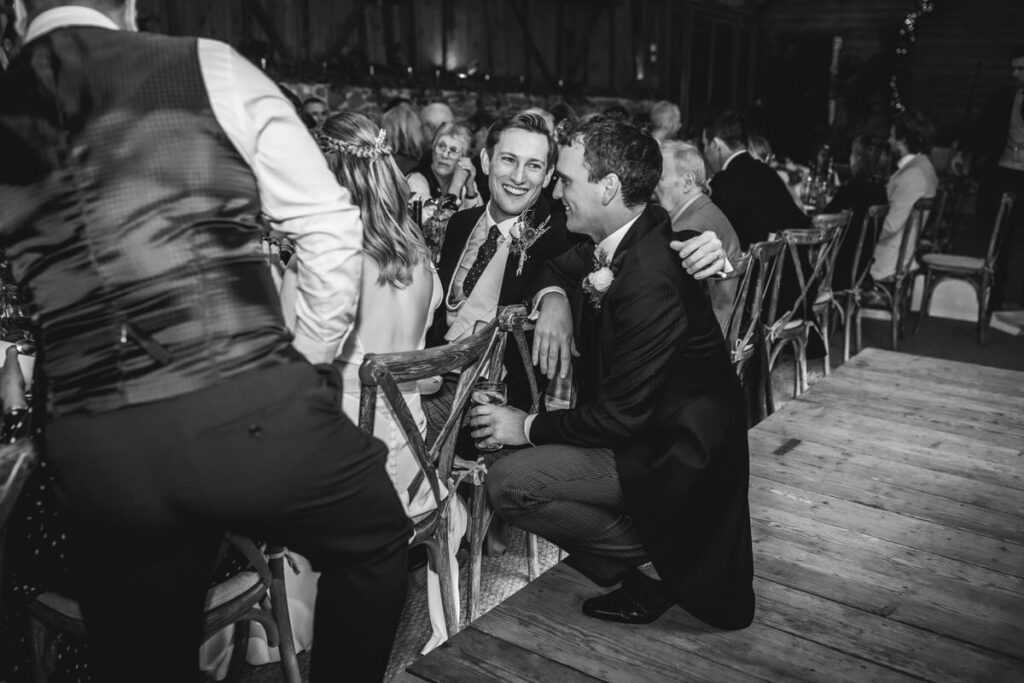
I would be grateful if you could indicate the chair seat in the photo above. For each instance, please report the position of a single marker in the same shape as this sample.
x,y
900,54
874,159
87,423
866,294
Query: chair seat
x,y
954,262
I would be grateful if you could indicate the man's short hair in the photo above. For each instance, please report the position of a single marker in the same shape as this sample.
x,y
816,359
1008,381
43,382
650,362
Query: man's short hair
x,y
665,115
611,145
685,158
1017,52
531,123
915,130
730,127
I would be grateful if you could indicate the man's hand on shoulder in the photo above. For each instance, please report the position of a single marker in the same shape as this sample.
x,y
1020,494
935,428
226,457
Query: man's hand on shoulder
x,y
703,256
553,346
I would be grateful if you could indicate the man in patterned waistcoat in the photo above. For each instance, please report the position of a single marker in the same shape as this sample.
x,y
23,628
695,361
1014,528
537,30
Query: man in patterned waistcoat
x,y
135,167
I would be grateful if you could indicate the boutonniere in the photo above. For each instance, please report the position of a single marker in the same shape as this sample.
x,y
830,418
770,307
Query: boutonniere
x,y
597,284
523,234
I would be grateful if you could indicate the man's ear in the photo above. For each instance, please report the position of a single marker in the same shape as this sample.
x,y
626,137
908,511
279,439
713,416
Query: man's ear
x,y
611,185
485,161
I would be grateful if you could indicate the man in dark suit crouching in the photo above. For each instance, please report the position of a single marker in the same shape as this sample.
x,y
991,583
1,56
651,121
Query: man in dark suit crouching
x,y
644,482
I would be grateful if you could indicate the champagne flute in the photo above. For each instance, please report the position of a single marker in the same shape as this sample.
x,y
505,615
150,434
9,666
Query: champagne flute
x,y
486,393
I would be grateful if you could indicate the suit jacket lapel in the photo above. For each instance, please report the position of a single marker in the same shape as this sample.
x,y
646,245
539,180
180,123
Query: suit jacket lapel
x,y
512,284
457,234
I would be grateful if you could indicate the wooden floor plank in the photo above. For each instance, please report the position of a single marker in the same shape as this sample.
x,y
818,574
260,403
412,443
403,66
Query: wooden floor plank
x,y
942,389
988,618
546,619
919,446
954,372
816,467
910,649
475,656
995,554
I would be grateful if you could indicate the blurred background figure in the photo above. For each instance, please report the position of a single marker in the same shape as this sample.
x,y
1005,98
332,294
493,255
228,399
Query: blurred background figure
x,y
317,110
433,116
447,170
760,149
870,162
402,125
665,121
548,117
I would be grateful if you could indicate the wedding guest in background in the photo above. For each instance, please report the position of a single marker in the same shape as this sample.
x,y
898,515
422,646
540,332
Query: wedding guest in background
x,y
682,192
665,121
760,149
561,112
199,413
405,135
399,293
549,118
447,170
433,116
317,110
910,139
644,482
869,168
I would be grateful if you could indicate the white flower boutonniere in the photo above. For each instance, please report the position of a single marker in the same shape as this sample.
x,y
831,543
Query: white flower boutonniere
x,y
597,283
523,234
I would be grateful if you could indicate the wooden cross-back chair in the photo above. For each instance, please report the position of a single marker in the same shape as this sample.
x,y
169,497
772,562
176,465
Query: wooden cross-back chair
x,y
384,373
826,298
253,594
978,272
893,294
852,297
792,328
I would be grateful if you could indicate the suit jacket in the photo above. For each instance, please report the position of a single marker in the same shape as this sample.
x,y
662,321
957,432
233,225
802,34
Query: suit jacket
x,y
915,180
703,215
513,287
656,385
755,200
992,128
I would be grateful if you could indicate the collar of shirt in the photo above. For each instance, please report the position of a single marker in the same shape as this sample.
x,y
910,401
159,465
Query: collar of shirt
x,y
68,15
904,160
504,227
733,156
611,243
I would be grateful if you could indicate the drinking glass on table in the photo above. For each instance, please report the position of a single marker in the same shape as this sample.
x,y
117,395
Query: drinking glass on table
x,y
487,393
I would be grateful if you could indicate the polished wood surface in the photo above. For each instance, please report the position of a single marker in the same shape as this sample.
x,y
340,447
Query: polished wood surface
x,y
887,509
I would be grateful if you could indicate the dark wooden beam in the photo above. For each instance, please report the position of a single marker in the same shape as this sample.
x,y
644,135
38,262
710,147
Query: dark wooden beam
x,y
267,24
531,47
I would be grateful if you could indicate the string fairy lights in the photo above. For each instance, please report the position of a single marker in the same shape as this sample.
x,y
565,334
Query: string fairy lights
x,y
907,37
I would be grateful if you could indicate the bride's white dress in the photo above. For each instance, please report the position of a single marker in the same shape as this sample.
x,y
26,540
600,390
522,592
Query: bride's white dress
x,y
402,311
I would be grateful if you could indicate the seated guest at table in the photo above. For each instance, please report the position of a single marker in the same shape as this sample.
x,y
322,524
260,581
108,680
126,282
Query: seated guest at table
x,y
432,116
447,170
645,480
760,149
665,121
869,168
405,135
317,110
749,193
399,293
910,139
681,192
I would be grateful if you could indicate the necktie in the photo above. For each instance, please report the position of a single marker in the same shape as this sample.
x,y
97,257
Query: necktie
x,y
483,257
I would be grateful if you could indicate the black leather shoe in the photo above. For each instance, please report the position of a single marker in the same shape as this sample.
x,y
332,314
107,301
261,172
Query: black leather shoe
x,y
640,600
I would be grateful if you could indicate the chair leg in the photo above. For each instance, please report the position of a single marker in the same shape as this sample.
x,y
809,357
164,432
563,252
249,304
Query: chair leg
x,y
442,562
241,645
480,517
532,559
983,316
896,318
766,380
860,331
824,333
41,646
926,299
279,607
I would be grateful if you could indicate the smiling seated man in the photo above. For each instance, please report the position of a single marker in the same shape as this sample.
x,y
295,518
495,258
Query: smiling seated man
x,y
645,481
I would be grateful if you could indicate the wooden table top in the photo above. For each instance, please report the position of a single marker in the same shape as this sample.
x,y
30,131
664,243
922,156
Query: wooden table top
x,y
887,509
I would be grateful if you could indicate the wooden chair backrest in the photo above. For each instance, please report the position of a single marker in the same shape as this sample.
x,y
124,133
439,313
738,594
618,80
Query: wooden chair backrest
x,y
762,273
819,242
874,218
998,230
515,320
911,236
385,371
826,221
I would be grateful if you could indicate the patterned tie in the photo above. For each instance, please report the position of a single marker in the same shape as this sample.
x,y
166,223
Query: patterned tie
x,y
483,257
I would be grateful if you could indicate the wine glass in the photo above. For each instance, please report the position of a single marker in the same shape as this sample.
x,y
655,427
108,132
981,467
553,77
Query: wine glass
x,y
487,393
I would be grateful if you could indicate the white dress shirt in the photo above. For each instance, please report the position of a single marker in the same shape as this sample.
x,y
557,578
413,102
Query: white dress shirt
x,y
482,303
298,192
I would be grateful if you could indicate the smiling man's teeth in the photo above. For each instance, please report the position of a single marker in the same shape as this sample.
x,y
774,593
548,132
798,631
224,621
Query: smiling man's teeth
x,y
517,191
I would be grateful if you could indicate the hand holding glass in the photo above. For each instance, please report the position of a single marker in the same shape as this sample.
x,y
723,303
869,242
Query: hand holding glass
x,y
487,393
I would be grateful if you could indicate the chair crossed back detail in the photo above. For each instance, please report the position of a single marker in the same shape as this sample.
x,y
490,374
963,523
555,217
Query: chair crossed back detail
x,y
820,242
762,273
935,231
912,235
385,371
515,320
874,218
1006,203
827,221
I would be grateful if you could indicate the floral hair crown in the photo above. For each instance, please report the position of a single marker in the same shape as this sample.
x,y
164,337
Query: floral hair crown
x,y
379,148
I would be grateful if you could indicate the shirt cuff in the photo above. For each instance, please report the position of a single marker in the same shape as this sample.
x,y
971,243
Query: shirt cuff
x,y
526,428
539,296
726,271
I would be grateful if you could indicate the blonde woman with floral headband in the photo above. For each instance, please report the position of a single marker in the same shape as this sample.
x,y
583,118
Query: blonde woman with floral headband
x,y
398,295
